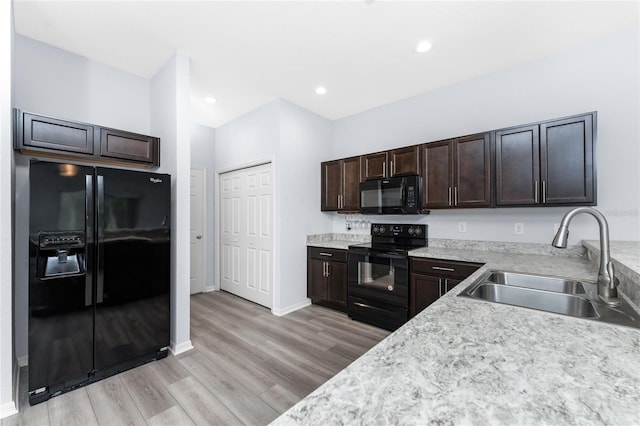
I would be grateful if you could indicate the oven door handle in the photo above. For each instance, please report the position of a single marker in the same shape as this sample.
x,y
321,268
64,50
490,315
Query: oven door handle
x,y
374,254
387,256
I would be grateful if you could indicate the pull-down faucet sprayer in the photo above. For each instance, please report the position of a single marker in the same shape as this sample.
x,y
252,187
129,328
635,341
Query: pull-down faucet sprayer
x,y
607,282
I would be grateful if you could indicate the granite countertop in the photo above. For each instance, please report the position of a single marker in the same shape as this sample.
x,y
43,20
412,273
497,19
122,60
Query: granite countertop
x,y
463,361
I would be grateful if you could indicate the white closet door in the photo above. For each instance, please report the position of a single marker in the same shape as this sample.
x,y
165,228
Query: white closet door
x,y
197,230
246,236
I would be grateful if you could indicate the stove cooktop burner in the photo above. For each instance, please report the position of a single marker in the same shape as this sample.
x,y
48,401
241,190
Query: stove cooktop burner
x,y
398,238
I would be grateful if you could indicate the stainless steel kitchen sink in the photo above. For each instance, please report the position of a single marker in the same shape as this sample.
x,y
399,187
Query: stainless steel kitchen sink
x,y
537,282
550,294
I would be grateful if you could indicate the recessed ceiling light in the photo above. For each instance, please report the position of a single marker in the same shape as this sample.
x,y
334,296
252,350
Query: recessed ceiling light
x,y
321,90
423,46
210,100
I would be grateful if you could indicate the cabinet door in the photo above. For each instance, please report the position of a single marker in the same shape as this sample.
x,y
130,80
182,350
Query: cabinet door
x,y
437,174
566,161
518,166
331,185
425,289
374,166
56,135
316,279
337,284
129,146
472,171
448,284
405,161
351,183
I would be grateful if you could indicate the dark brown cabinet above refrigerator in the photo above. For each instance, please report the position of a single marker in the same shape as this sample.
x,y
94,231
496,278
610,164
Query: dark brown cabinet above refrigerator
x,y
52,137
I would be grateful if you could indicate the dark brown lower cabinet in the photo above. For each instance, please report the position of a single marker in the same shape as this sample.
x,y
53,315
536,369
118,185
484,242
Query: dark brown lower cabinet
x,y
327,277
432,278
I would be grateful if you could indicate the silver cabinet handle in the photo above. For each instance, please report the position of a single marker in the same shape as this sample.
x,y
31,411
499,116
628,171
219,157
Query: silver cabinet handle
x,y
535,192
544,192
455,196
439,287
325,254
442,268
324,269
338,201
449,196
392,170
384,169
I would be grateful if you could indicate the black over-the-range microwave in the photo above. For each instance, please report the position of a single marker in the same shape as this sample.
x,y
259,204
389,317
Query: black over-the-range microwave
x,y
397,195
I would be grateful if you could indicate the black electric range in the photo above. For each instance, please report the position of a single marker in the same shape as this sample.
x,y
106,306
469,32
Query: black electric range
x,y
378,274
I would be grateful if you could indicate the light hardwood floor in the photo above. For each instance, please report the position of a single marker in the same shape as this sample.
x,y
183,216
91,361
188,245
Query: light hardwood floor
x,y
247,367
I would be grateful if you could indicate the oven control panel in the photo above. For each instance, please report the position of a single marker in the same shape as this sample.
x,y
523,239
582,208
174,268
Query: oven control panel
x,y
398,230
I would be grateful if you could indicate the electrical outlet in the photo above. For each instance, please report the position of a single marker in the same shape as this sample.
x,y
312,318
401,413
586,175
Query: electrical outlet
x,y
462,226
518,228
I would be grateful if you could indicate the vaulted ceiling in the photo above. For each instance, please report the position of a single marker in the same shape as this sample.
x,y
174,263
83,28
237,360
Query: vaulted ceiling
x,y
245,54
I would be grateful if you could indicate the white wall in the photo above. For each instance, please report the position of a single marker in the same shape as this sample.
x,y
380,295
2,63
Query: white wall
x,y
295,139
52,81
171,121
7,356
599,76
202,155
304,137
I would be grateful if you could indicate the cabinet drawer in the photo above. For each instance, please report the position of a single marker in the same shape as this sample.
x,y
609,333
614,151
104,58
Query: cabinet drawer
x,y
334,255
445,268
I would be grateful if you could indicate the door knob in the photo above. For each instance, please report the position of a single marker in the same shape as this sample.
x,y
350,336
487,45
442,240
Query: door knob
x,y
198,236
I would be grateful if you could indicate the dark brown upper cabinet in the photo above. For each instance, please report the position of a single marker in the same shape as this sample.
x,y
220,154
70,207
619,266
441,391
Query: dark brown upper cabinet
x,y
404,161
69,140
44,133
567,167
457,173
518,166
341,185
437,175
128,146
374,166
548,163
396,162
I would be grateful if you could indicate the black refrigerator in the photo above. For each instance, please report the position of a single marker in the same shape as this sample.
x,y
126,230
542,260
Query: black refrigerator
x,y
99,273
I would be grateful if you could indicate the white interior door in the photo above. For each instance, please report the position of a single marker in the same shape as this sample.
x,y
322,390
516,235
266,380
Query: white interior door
x,y
197,230
246,238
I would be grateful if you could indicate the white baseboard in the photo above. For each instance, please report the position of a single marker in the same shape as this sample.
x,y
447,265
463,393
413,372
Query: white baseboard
x,y
289,309
8,409
180,348
209,288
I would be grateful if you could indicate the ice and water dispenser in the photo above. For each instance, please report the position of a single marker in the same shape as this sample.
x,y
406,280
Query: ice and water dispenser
x,y
60,254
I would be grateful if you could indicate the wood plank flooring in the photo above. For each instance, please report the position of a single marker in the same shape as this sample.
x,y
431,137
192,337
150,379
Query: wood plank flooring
x,y
247,367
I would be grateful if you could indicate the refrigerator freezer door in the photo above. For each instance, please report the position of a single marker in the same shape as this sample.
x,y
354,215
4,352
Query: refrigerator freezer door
x,y
60,288
133,273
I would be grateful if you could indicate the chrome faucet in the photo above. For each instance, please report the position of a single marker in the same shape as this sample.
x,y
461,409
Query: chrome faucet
x,y
607,282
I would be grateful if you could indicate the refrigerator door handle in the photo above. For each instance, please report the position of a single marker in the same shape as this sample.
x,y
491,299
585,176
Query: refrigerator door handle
x,y
88,247
100,242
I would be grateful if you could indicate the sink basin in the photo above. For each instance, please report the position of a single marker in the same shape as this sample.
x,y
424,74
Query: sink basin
x,y
558,303
537,282
550,294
